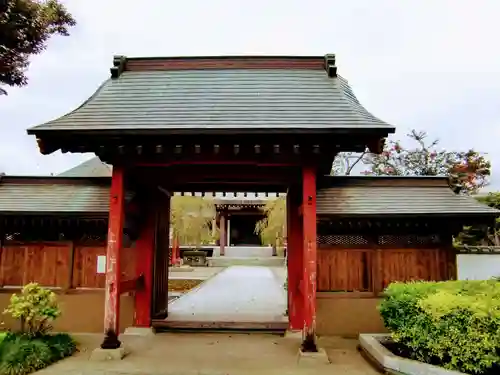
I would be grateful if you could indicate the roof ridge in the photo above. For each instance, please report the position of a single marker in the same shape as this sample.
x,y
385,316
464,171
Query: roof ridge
x,y
122,63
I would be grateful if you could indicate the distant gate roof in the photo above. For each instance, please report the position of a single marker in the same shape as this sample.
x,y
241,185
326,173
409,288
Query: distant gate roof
x,y
91,168
189,95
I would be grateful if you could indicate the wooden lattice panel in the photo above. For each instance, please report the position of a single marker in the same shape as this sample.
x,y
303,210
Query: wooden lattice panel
x,y
342,240
408,240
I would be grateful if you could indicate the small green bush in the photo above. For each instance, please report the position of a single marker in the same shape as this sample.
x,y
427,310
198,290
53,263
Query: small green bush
x,y
22,354
35,307
455,324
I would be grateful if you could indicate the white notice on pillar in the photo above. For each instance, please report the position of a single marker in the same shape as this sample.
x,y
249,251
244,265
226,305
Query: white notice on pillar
x,y
101,264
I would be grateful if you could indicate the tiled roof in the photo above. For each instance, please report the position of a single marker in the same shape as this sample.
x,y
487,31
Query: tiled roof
x,y
297,94
52,195
358,196
91,168
350,196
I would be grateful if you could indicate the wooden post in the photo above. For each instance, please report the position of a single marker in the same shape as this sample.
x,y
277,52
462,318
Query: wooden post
x,y
294,260
144,266
113,269
309,256
175,251
71,266
222,233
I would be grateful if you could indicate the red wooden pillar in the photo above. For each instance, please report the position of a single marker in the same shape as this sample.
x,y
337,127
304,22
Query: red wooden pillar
x,y
222,234
175,251
144,266
113,269
309,257
294,260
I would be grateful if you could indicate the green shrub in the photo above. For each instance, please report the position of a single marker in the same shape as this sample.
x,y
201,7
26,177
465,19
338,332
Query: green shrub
x,y
22,354
61,345
35,307
455,324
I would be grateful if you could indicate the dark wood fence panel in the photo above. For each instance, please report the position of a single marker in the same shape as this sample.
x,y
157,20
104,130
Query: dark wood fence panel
x,y
54,264
365,270
344,270
11,266
44,263
414,264
85,266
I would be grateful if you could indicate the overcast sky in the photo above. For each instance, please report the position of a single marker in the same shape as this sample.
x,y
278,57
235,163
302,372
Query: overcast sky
x,y
432,65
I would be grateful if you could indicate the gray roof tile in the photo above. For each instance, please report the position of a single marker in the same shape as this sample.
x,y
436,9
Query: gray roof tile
x,y
413,197
221,99
91,168
52,195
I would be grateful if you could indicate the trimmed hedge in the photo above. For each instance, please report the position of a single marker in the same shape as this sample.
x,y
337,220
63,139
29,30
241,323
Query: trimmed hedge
x,y
22,354
454,324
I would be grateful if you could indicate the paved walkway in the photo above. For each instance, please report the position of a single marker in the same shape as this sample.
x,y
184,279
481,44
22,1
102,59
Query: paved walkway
x,y
212,354
236,294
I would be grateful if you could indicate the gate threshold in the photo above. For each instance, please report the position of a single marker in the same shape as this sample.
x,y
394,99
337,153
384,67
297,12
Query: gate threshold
x,y
197,326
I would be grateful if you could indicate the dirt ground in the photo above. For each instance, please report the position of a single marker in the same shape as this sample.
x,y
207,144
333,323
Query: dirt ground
x,y
212,353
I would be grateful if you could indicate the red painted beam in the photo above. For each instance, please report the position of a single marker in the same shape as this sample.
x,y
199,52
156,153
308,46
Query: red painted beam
x,y
144,266
131,285
309,256
113,267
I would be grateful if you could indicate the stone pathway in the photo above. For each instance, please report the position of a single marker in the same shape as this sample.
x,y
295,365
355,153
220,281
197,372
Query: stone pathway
x,y
212,354
236,294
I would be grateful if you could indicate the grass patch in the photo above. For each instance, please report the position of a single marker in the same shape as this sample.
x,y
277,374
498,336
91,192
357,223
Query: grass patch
x,y
179,285
22,354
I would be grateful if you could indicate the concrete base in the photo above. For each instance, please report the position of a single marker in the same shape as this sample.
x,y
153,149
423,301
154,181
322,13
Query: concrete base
x,y
140,331
307,359
100,354
372,344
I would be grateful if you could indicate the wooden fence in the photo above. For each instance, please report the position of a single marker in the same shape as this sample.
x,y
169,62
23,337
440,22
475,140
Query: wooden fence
x,y
371,270
64,265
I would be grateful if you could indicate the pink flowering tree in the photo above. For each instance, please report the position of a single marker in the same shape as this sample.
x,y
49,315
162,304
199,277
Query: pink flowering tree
x,y
468,171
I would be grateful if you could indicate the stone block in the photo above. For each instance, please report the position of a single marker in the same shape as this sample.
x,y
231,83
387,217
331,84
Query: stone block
x,y
100,354
311,359
139,331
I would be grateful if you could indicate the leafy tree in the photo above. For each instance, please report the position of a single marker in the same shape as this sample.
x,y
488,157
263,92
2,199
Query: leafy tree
x,y
191,219
482,235
272,229
25,28
467,171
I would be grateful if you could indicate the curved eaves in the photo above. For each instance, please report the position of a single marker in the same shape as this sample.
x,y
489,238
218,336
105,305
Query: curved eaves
x,y
360,111
87,101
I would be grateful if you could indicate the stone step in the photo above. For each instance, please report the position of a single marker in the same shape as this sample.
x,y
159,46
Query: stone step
x,y
246,261
248,251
